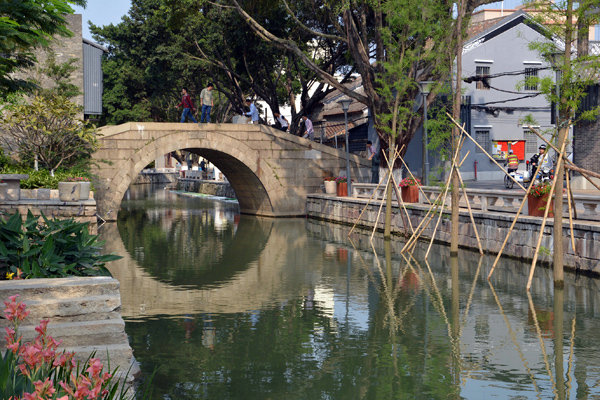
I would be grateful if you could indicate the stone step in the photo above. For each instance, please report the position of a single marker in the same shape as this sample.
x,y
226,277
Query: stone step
x,y
81,333
60,288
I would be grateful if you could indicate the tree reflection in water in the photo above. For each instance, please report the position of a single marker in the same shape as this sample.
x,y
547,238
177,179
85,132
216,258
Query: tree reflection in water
x,y
305,314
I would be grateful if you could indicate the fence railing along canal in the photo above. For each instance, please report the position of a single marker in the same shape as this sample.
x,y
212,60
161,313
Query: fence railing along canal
x,y
508,201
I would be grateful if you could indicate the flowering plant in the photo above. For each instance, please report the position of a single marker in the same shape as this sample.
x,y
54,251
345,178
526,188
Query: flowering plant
x,y
409,182
330,178
77,179
540,189
37,371
341,179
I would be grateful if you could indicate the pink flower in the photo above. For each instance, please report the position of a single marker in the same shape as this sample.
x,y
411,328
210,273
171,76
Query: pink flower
x,y
15,311
95,367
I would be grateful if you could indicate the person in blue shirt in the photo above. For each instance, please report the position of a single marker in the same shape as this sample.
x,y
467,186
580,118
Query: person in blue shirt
x,y
253,113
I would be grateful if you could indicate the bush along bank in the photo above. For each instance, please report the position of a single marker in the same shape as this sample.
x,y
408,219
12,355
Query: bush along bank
x,y
39,247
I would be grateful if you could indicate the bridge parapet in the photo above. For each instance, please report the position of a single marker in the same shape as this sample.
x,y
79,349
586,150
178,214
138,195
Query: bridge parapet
x,y
270,171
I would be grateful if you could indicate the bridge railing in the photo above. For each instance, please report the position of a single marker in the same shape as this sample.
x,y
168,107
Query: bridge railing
x,y
586,205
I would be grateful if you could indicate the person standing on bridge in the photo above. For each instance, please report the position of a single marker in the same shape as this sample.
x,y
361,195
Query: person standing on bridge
x,y
206,101
188,106
253,113
309,131
373,155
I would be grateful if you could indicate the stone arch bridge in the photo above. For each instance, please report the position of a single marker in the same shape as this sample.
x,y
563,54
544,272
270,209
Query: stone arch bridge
x,y
270,171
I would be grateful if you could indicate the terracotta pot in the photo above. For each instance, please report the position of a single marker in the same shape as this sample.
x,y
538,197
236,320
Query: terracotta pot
x,y
330,187
342,189
410,194
536,206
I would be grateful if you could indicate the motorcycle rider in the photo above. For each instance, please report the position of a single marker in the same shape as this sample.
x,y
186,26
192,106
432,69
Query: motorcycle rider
x,y
546,161
512,161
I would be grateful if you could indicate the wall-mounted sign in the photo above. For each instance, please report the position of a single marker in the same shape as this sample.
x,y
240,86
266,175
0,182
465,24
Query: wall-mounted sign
x,y
500,148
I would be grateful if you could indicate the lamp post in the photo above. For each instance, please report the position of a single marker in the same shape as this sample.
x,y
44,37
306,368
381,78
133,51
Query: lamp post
x,y
425,87
345,103
555,59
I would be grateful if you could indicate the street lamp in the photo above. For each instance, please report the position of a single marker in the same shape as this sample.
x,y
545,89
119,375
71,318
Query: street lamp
x,y
425,87
345,103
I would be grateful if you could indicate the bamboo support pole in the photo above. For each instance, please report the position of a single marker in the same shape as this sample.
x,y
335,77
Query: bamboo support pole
x,y
364,208
510,230
546,211
398,195
541,340
380,207
484,151
462,184
513,338
587,174
420,227
472,291
571,349
412,176
569,199
452,168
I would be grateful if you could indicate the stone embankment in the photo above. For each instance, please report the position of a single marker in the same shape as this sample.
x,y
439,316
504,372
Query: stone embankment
x,y
155,176
492,227
84,313
211,187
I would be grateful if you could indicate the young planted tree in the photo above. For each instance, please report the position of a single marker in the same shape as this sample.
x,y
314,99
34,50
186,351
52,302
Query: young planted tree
x,y
576,71
47,128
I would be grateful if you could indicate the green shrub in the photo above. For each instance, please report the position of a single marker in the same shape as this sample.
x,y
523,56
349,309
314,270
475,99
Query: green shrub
x,y
52,249
42,177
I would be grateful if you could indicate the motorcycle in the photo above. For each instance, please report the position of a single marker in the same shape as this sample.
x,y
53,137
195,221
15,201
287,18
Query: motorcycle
x,y
519,176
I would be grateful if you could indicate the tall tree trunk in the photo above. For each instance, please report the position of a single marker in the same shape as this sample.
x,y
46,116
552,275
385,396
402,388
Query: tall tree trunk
x,y
387,232
564,116
455,131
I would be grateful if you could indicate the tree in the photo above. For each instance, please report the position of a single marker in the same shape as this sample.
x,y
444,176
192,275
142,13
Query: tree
x,y
48,128
360,26
577,71
24,25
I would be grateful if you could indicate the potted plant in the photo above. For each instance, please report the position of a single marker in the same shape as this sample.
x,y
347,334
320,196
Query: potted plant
x,y
538,198
74,189
330,185
342,186
410,190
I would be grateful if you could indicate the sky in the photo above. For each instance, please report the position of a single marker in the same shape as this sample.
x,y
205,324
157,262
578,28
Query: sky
x,y
102,12
105,12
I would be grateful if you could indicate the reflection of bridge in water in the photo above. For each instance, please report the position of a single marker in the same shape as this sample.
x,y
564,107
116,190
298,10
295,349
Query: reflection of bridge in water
x,y
243,279
270,171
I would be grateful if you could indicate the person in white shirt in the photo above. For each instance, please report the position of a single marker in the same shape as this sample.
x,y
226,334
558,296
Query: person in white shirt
x,y
308,128
283,122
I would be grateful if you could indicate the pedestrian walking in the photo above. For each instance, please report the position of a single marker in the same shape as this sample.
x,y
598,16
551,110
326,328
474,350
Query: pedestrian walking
x,y
281,122
253,113
309,132
188,106
373,155
206,101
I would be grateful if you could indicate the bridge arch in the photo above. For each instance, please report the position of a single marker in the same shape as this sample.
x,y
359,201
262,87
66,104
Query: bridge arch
x,y
270,171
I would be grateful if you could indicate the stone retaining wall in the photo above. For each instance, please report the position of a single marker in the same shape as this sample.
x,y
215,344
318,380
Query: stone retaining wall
x,y
215,188
84,313
46,201
161,177
491,226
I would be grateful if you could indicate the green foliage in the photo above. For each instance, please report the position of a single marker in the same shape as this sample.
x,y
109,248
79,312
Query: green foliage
x,y
52,249
25,25
60,76
48,128
42,178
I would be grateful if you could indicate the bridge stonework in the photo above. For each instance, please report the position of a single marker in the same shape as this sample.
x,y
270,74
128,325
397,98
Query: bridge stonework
x,y
270,171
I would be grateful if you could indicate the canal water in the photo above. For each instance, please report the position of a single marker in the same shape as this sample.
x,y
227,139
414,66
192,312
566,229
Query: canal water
x,y
226,306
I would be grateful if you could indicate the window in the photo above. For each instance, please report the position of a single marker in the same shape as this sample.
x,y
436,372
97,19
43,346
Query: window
x,y
481,70
597,32
483,138
531,73
531,141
